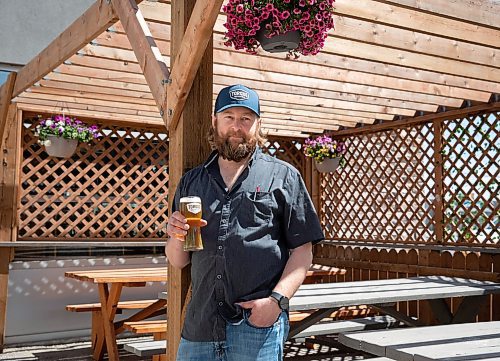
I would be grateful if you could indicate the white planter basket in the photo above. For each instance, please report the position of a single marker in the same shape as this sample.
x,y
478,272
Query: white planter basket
x,y
61,147
328,165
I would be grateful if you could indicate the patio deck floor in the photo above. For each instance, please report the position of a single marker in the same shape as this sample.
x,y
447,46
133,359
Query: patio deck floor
x,y
79,350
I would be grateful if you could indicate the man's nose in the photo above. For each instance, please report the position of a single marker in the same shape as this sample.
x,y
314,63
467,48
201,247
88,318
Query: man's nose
x,y
237,124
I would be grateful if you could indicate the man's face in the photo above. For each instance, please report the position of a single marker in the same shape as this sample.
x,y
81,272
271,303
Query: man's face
x,y
235,133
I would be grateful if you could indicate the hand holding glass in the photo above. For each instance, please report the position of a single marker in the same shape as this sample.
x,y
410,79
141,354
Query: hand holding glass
x,y
190,207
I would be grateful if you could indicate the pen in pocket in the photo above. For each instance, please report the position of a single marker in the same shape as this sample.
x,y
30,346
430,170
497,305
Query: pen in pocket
x,y
257,189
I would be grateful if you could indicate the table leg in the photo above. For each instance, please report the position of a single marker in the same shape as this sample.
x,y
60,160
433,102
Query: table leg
x,y
98,345
109,302
441,311
310,320
391,311
466,312
153,310
469,309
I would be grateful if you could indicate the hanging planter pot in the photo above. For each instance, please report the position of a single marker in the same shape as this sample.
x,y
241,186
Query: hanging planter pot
x,y
60,147
278,43
302,26
328,165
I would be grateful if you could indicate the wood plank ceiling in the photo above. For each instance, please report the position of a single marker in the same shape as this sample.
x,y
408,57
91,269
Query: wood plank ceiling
x,y
385,60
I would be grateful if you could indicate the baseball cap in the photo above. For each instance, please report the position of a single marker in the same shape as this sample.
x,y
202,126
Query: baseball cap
x,y
237,96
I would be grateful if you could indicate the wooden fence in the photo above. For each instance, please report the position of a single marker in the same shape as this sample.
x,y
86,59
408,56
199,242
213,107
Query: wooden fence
x,y
367,263
114,189
433,183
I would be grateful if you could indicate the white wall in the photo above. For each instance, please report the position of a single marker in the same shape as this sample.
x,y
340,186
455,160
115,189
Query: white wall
x,y
38,293
28,26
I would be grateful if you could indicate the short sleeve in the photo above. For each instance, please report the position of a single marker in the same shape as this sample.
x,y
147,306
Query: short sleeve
x,y
301,222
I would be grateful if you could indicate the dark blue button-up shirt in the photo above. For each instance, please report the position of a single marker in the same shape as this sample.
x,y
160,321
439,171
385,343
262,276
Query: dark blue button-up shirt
x,y
247,240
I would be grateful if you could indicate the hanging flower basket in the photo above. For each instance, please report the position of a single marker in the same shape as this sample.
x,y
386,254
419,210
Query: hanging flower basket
x,y
327,165
60,147
60,135
279,43
327,153
251,23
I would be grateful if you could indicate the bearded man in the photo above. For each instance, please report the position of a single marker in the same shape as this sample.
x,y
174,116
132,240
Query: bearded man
x,y
258,229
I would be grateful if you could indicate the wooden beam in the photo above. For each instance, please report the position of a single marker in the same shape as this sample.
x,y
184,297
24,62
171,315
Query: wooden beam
x,y
482,12
119,116
187,148
93,22
411,40
298,85
10,158
150,59
385,54
5,101
196,37
386,71
301,85
161,32
6,255
75,99
417,20
452,114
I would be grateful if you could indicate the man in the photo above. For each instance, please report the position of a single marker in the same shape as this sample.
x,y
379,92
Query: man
x,y
259,227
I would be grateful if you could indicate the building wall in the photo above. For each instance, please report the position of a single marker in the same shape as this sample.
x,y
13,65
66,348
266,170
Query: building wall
x,y
28,26
38,294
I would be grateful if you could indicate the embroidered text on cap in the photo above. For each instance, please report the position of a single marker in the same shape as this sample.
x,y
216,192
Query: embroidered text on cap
x,y
239,95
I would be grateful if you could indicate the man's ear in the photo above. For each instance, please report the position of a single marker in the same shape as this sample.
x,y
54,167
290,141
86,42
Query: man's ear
x,y
214,118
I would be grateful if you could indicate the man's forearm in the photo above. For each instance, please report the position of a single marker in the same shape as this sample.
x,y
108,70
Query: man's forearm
x,y
175,253
295,270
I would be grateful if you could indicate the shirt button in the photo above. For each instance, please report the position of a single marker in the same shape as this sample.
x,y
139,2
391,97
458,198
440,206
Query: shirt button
x,y
219,277
220,247
228,198
220,303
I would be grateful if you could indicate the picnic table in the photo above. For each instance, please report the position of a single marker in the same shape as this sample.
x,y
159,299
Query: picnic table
x,y
454,342
110,283
382,295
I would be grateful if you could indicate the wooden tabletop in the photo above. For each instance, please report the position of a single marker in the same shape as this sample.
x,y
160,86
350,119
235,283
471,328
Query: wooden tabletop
x,y
122,275
331,295
459,342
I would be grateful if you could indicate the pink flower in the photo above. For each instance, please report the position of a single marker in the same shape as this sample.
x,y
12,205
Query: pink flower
x,y
313,18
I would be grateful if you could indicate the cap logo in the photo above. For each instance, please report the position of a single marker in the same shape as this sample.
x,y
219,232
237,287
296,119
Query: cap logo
x,y
239,95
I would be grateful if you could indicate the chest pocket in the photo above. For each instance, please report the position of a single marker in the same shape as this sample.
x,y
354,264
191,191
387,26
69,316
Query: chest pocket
x,y
255,209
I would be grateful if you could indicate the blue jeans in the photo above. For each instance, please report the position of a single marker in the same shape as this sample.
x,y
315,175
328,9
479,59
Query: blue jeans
x,y
244,342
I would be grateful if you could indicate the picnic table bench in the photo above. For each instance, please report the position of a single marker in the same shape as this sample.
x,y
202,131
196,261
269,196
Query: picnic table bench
x,y
381,295
110,283
456,342
156,346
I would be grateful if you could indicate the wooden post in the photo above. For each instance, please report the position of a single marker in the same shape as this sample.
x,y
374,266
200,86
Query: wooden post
x,y
438,179
9,190
5,98
188,148
312,181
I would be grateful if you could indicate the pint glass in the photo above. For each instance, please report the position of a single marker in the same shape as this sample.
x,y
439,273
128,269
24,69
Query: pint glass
x,y
190,207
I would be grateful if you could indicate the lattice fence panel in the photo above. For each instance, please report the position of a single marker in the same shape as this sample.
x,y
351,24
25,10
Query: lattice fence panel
x,y
385,192
471,173
115,188
287,150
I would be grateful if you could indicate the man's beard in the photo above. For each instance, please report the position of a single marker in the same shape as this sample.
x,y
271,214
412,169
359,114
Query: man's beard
x,y
231,151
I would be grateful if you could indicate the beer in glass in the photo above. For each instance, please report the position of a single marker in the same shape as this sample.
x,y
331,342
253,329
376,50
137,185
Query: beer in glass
x,y
190,207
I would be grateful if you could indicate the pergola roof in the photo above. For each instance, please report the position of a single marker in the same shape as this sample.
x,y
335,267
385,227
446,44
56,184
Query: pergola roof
x,y
385,60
